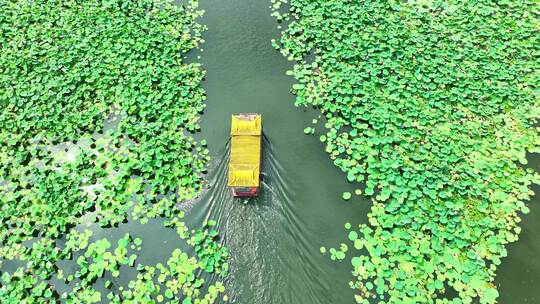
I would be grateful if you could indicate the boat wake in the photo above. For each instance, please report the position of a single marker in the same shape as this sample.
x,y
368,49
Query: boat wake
x,y
249,227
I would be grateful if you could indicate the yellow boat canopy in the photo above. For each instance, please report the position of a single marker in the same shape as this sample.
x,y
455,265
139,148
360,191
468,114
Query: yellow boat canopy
x,y
246,124
245,160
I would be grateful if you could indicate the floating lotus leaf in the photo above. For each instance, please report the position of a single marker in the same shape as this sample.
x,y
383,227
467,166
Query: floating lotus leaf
x,y
98,106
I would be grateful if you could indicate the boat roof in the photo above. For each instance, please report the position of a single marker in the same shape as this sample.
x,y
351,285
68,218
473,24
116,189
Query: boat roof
x,y
245,152
246,124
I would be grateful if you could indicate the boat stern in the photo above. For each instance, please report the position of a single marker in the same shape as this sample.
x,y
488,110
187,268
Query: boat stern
x,y
245,191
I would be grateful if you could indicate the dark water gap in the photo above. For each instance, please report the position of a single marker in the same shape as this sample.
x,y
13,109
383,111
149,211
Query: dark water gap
x,y
273,240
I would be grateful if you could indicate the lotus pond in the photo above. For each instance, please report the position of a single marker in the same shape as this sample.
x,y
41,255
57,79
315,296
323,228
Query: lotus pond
x,y
413,184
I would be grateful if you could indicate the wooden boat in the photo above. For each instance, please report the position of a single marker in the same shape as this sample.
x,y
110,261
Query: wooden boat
x,y
245,156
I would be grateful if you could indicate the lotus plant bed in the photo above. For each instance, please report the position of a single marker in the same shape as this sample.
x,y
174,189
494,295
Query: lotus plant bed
x,y
97,107
430,107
